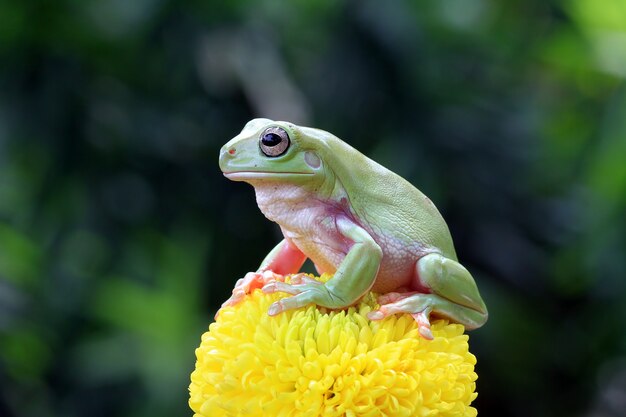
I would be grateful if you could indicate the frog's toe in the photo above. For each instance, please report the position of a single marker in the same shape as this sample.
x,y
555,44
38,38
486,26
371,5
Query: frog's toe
x,y
376,315
281,305
303,279
276,308
392,297
252,281
277,286
383,311
423,323
301,299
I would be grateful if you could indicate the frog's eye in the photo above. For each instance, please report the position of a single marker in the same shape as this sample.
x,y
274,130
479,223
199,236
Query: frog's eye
x,y
274,141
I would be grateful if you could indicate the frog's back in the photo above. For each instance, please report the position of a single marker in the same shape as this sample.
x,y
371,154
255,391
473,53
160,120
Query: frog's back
x,y
387,204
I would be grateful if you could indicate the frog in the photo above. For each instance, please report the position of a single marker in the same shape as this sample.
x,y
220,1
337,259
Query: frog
x,y
357,221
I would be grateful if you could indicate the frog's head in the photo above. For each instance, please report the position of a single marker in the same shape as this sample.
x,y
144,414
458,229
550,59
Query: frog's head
x,y
266,151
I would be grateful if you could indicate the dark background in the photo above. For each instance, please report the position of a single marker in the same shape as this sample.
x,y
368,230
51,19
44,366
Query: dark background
x,y
119,236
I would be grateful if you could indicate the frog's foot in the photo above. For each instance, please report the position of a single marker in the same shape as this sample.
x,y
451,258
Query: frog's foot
x,y
250,282
304,290
417,304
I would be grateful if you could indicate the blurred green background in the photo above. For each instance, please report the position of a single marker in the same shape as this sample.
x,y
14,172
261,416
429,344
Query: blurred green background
x,y
119,236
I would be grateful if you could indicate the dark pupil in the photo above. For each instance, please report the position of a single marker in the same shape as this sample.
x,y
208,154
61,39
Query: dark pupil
x,y
271,139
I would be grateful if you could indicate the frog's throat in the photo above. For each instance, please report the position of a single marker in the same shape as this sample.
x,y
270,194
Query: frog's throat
x,y
260,175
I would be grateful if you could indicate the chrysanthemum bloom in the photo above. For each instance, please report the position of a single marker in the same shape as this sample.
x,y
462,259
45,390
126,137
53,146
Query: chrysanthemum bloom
x,y
314,362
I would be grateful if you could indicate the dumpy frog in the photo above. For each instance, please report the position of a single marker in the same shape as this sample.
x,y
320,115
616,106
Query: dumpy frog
x,y
355,219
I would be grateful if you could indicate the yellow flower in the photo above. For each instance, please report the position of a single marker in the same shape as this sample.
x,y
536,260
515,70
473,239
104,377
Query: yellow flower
x,y
314,362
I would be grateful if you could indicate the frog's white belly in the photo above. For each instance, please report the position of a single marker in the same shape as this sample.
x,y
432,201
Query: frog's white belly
x,y
306,222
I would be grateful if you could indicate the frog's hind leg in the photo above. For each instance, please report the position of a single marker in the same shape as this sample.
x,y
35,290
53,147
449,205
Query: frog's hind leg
x,y
458,294
450,292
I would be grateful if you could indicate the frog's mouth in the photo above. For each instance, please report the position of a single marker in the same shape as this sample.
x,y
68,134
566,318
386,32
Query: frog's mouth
x,y
250,175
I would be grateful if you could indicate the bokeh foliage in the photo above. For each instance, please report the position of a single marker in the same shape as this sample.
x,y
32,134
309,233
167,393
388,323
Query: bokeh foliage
x,y
119,237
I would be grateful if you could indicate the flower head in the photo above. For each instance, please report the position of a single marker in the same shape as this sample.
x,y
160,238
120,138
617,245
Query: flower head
x,y
313,362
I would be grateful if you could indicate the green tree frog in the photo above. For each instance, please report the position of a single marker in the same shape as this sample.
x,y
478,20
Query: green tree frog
x,y
368,227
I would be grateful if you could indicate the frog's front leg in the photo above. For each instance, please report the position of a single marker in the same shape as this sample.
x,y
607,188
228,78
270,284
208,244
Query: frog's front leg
x,y
452,294
353,278
284,259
